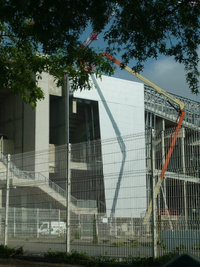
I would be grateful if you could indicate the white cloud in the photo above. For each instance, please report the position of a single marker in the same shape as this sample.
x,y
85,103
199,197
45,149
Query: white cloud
x,y
170,76
166,73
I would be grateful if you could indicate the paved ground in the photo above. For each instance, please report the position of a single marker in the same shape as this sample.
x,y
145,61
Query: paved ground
x,y
36,247
23,263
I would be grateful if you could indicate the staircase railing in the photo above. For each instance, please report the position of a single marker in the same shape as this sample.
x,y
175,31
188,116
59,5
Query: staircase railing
x,y
38,176
31,175
57,188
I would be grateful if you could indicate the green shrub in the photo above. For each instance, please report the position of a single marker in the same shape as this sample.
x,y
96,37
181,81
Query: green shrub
x,y
117,244
6,252
82,258
161,244
76,234
105,241
73,257
180,247
196,247
164,259
134,243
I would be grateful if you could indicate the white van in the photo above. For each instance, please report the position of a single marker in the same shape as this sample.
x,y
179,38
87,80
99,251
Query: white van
x,y
52,228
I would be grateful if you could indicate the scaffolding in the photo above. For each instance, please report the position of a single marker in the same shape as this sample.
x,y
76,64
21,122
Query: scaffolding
x,y
159,106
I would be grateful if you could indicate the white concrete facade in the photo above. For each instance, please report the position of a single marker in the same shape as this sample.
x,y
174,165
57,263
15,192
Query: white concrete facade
x,y
121,112
121,105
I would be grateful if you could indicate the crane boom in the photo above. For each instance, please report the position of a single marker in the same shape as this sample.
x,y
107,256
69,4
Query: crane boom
x,y
146,81
180,104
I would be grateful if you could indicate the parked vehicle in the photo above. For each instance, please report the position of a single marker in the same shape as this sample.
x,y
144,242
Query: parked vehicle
x,y
52,228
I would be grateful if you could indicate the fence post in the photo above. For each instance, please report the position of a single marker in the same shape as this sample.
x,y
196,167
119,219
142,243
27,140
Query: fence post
x,y
59,216
37,223
154,233
50,219
7,200
66,89
1,211
185,204
14,222
68,198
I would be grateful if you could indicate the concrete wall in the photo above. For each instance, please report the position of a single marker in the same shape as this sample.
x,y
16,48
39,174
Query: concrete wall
x,y
17,123
42,129
57,120
121,111
42,117
28,128
121,105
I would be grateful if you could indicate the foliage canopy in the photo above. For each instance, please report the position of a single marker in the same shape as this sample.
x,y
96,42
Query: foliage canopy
x,y
139,30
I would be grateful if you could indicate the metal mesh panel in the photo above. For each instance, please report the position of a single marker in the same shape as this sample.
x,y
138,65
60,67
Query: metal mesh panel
x,y
177,203
110,195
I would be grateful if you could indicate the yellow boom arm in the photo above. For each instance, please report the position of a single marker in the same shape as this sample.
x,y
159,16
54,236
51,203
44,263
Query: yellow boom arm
x,y
146,81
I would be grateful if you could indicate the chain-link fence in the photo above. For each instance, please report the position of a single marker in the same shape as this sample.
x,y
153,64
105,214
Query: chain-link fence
x,y
112,183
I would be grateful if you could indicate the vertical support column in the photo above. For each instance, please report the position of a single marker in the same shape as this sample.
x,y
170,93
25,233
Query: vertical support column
x,y
163,141
163,161
1,145
97,182
151,120
87,126
7,201
154,232
146,119
95,230
184,171
42,128
185,204
183,149
154,122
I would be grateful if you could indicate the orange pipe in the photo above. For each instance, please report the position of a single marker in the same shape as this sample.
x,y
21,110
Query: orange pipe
x,y
112,59
165,165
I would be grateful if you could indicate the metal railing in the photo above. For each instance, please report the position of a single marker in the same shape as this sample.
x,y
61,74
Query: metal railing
x,y
31,175
57,188
83,203
37,176
124,183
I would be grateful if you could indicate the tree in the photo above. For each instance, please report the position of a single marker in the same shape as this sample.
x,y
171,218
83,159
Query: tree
x,y
43,35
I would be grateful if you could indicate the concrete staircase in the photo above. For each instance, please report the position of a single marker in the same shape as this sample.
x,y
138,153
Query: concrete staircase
x,y
51,190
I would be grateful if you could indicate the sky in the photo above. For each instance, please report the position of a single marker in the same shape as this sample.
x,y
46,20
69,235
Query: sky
x,y
167,74
164,71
